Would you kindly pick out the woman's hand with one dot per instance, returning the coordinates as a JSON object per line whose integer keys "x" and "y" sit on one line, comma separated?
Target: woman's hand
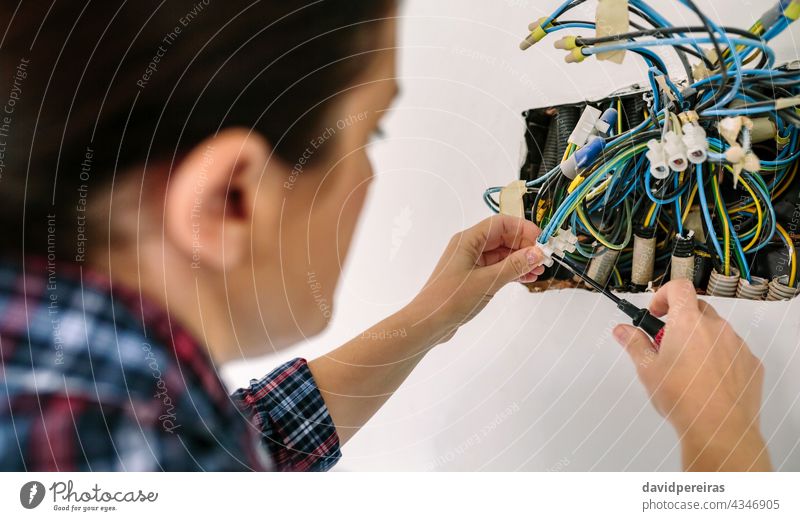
{"x": 704, "y": 380}
{"x": 356, "y": 379}
{"x": 477, "y": 263}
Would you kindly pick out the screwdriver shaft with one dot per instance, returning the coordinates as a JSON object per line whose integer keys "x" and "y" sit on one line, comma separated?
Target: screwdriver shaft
{"x": 590, "y": 281}
{"x": 641, "y": 317}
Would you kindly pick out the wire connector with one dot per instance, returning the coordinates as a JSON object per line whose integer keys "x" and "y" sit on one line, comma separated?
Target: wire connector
{"x": 584, "y": 157}
{"x": 792, "y": 12}
{"x": 695, "y": 140}
{"x": 658, "y": 159}
{"x": 586, "y": 127}
{"x": 575, "y": 56}
{"x": 537, "y": 34}
{"x": 566, "y": 43}
{"x": 675, "y": 151}
{"x": 607, "y": 121}
{"x": 560, "y": 244}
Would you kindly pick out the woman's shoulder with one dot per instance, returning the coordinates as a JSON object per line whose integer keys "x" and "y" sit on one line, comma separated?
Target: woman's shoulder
{"x": 63, "y": 331}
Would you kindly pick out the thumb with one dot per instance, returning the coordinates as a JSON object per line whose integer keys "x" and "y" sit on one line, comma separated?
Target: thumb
{"x": 636, "y": 343}
{"x": 516, "y": 265}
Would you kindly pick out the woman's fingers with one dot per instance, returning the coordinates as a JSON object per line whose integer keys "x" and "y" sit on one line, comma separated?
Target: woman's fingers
{"x": 674, "y": 297}
{"x": 532, "y": 276}
{"x": 636, "y": 343}
{"x": 493, "y": 257}
{"x": 504, "y": 231}
{"x": 707, "y": 309}
{"x": 512, "y": 268}
{"x": 506, "y": 250}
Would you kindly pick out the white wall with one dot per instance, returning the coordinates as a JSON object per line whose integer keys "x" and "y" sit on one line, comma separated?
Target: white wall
{"x": 535, "y": 382}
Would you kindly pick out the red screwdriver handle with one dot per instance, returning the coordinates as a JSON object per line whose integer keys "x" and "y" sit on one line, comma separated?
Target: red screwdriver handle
{"x": 651, "y": 325}
{"x": 658, "y": 338}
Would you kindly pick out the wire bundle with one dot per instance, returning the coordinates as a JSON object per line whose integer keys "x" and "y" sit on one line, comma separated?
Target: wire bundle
{"x": 728, "y": 192}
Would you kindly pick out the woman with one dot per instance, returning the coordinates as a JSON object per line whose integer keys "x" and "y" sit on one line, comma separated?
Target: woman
{"x": 181, "y": 182}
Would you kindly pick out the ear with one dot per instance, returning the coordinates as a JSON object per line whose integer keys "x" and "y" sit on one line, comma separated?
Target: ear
{"x": 208, "y": 212}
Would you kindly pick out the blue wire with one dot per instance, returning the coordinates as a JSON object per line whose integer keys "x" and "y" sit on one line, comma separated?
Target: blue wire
{"x": 671, "y": 85}
{"x": 623, "y": 173}
{"x": 561, "y": 213}
{"x": 735, "y": 55}
{"x": 652, "y": 59}
{"x": 547, "y": 21}
{"x": 739, "y": 111}
{"x": 652, "y": 13}
{"x": 649, "y": 191}
{"x": 776, "y": 29}
{"x": 656, "y": 95}
{"x": 560, "y": 27}
{"x": 545, "y": 177}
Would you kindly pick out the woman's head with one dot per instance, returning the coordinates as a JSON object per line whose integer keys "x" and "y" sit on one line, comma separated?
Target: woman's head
{"x": 211, "y": 152}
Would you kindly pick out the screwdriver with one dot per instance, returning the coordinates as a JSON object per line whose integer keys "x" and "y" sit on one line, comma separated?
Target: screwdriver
{"x": 641, "y": 318}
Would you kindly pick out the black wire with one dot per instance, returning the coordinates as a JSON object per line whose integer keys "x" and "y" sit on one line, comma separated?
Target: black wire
{"x": 787, "y": 114}
{"x": 717, "y": 48}
{"x": 679, "y": 49}
{"x": 660, "y": 32}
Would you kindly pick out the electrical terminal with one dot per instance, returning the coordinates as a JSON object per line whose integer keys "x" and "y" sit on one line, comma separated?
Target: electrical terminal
{"x": 566, "y": 43}
{"x": 792, "y": 12}
{"x": 658, "y": 159}
{"x": 569, "y": 43}
{"x": 537, "y": 34}
{"x": 584, "y": 157}
{"x": 695, "y": 140}
{"x": 575, "y": 56}
{"x": 741, "y": 160}
{"x": 560, "y": 244}
{"x": 675, "y": 151}
{"x": 592, "y": 123}
{"x": 607, "y": 121}
{"x": 586, "y": 126}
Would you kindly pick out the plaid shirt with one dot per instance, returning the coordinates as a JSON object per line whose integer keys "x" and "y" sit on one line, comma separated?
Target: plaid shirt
{"x": 92, "y": 381}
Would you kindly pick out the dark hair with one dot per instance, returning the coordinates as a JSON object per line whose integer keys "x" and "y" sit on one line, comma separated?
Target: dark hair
{"x": 92, "y": 88}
